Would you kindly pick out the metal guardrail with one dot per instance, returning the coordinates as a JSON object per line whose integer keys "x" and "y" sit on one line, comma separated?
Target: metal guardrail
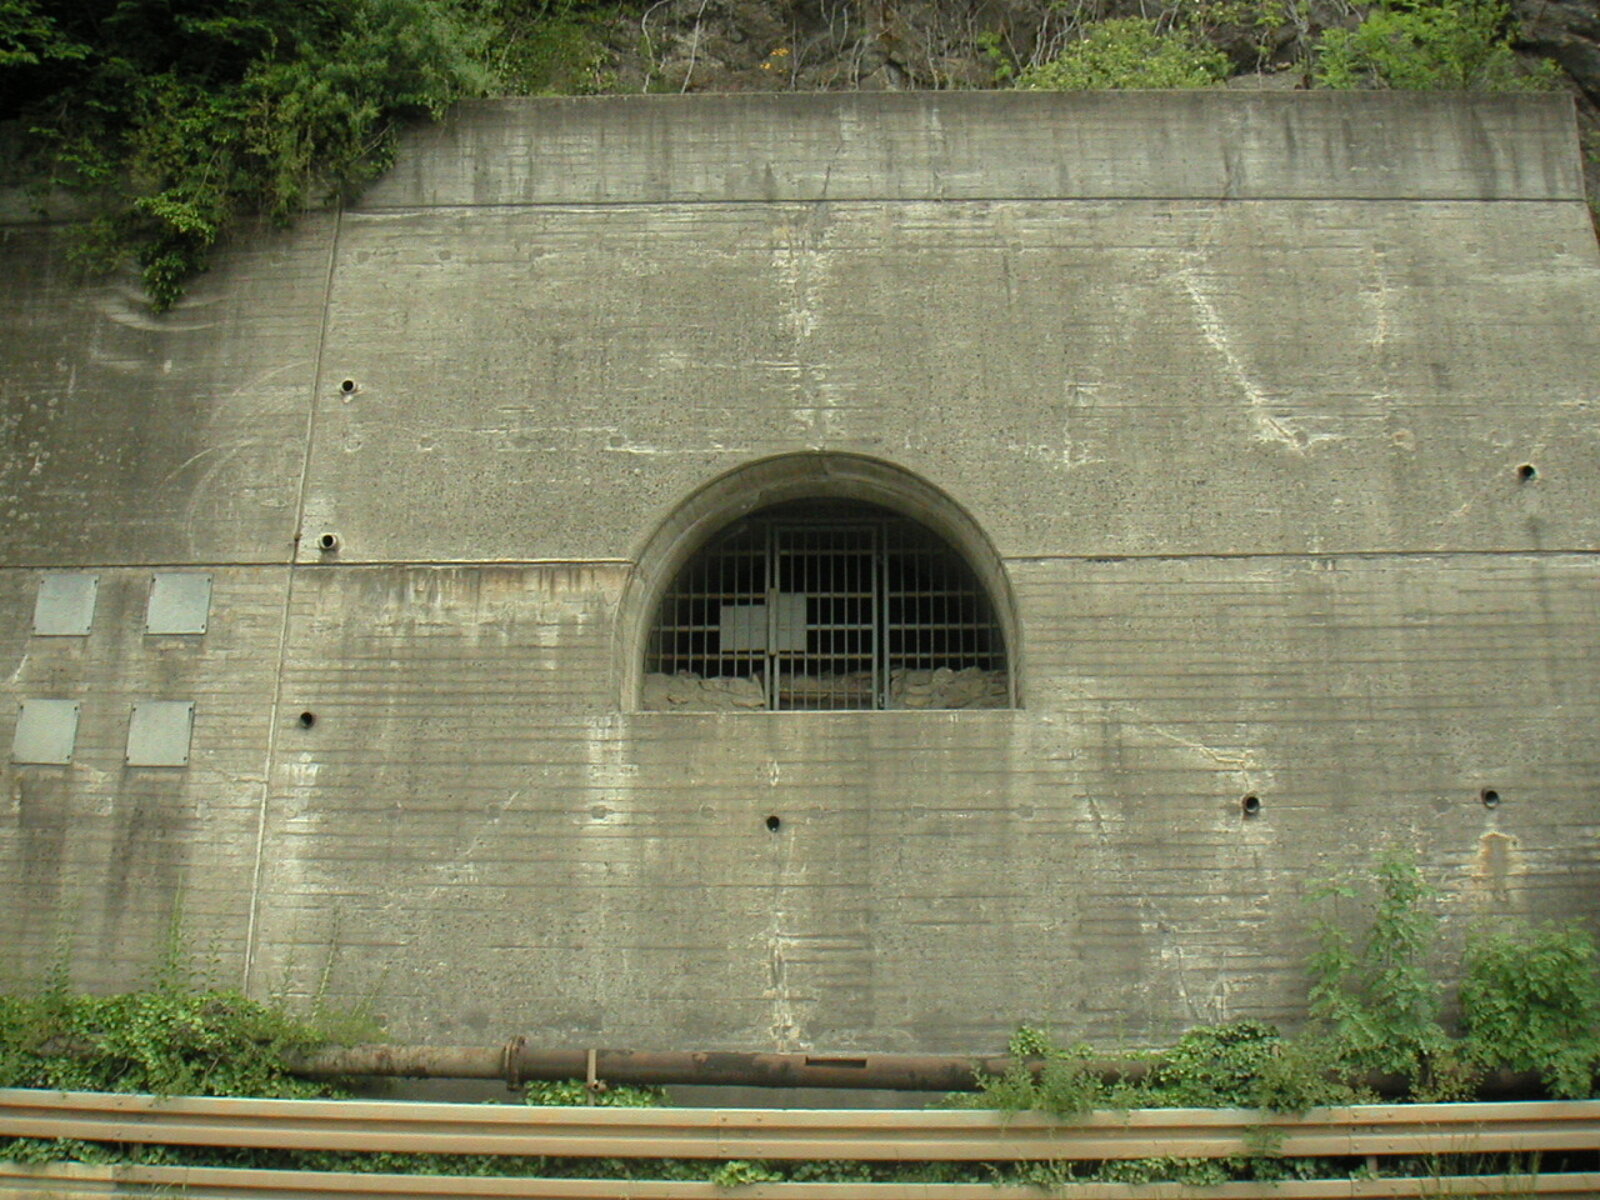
{"x": 1366, "y": 1131}
{"x": 78, "y": 1182}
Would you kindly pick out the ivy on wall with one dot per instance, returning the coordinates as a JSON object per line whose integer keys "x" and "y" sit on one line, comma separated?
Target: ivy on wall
{"x": 177, "y": 117}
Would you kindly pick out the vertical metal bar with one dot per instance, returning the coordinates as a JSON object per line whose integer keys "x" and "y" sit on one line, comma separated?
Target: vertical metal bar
{"x": 850, "y": 617}
{"x": 884, "y": 595}
{"x": 822, "y": 584}
{"x": 884, "y": 569}
{"x": 769, "y": 589}
{"x": 709, "y": 657}
{"x": 694, "y": 608}
{"x": 837, "y": 579}
{"x": 927, "y": 585}
{"x": 832, "y": 578}
{"x": 797, "y": 580}
{"x": 964, "y": 647}
{"x": 944, "y": 622}
{"x": 878, "y": 614}
{"x": 927, "y": 609}
{"x": 826, "y": 578}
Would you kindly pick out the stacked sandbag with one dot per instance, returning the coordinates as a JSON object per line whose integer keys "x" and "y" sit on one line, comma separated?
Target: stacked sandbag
{"x": 942, "y": 687}
{"x": 688, "y": 692}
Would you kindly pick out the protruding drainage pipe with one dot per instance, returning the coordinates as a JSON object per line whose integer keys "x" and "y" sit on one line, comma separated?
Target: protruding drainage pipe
{"x": 515, "y": 1063}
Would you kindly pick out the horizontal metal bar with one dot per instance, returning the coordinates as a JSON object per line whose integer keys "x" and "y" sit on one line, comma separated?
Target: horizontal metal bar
{"x": 73, "y": 1181}
{"x": 853, "y": 1134}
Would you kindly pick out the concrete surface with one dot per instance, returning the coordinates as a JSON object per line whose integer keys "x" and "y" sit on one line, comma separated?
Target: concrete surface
{"x": 1226, "y": 395}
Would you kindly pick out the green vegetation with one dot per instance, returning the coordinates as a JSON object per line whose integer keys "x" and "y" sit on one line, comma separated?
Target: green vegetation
{"x": 1373, "y": 996}
{"x": 1128, "y": 53}
{"x": 1529, "y": 1001}
{"x": 171, "y": 1038}
{"x": 550, "y": 47}
{"x": 1438, "y": 45}
{"x": 175, "y": 120}
{"x": 1433, "y": 45}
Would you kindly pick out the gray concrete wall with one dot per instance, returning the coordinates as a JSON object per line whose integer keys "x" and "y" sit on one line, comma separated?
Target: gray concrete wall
{"x": 1234, "y": 388}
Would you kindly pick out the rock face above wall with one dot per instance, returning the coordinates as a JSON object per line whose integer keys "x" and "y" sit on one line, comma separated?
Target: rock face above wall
{"x": 1567, "y": 31}
{"x": 1268, "y": 419}
{"x": 790, "y": 45}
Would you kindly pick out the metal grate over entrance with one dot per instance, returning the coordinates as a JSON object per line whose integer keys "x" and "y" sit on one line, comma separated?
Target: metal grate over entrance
{"x": 826, "y": 607}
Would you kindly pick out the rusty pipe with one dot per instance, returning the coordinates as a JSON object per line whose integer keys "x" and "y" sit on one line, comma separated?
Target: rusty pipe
{"x": 516, "y": 1063}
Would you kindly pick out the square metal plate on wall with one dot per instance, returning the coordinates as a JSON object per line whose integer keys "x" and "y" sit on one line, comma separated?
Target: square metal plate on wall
{"x": 47, "y": 732}
{"x": 158, "y": 733}
{"x": 180, "y": 602}
{"x": 65, "y": 605}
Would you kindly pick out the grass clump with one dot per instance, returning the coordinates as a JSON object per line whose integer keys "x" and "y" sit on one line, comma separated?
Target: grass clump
{"x": 1431, "y": 45}
{"x": 1129, "y": 52}
{"x": 163, "y": 1040}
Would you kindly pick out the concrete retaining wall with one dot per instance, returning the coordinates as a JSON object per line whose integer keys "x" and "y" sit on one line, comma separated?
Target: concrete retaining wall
{"x": 1235, "y": 390}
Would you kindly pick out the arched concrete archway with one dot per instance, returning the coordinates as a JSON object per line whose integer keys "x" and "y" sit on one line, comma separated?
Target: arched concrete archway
{"x": 797, "y": 477}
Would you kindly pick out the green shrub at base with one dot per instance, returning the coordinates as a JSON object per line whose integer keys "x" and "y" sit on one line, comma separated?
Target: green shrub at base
{"x": 1530, "y": 1001}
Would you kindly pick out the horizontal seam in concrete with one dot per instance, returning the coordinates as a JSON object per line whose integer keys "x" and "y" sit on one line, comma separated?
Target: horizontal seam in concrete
{"x": 470, "y": 562}
{"x": 1308, "y": 555}
{"x": 878, "y": 201}
{"x": 458, "y": 563}
{"x": 186, "y": 565}
{"x": 260, "y": 564}
{"x": 512, "y": 205}
{"x": 809, "y": 714}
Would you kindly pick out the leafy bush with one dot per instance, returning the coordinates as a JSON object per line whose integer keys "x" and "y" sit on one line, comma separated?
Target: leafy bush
{"x": 1430, "y": 45}
{"x": 550, "y": 47}
{"x": 178, "y": 118}
{"x": 1530, "y": 1001}
{"x": 163, "y": 1040}
{"x": 1062, "y": 1086}
{"x": 1128, "y": 53}
{"x": 1374, "y": 993}
{"x": 1214, "y": 1066}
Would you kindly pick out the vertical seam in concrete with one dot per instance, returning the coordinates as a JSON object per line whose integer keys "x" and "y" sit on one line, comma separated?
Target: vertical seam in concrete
{"x": 253, "y": 924}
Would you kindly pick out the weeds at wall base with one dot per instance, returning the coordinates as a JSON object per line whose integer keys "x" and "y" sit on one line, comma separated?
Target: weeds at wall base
{"x": 1530, "y": 1001}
